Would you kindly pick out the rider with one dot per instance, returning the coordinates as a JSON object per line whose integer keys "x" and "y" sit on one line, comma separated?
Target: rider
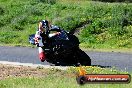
{"x": 42, "y": 33}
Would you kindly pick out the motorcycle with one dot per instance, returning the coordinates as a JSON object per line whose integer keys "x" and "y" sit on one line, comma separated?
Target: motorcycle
{"x": 63, "y": 49}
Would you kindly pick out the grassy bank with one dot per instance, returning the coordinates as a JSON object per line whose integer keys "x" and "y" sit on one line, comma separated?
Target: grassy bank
{"x": 52, "y": 82}
{"x": 103, "y": 25}
{"x": 27, "y": 77}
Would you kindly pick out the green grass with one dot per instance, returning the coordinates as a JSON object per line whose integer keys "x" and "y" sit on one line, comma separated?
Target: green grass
{"x": 54, "y": 82}
{"x": 61, "y": 79}
{"x": 110, "y": 23}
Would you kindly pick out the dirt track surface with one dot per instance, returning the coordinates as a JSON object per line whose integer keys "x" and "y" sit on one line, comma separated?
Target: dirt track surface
{"x": 7, "y": 71}
{"x": 121, "y": 61}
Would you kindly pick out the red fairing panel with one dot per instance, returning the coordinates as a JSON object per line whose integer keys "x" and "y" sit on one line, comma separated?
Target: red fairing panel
{"x": 41, "y": 54}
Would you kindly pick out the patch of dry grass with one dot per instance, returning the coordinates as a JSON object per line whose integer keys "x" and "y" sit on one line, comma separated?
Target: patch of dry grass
{"x": 7, "y": 71}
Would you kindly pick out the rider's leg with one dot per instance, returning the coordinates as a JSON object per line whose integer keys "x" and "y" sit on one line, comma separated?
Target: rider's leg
{"x": 41, "y": 54}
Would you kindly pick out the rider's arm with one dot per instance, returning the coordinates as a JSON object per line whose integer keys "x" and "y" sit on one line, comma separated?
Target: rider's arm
{"x": 54, "y": 34}
{"x": 54, "y": 28}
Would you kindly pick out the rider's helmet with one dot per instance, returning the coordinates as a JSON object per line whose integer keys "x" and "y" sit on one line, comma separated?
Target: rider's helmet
{"x": 44, "y": 26}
